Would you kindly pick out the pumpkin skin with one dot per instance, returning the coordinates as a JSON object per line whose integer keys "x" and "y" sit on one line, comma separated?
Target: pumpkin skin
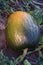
{"x": 22, "y": 31}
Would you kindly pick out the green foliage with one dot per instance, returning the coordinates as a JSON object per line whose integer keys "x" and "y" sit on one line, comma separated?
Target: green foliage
{"x": 40, "y": 54}
{"x": 10, "y": 9}
{"x": 37, "y": 15}
{"x": 41, "y": 40}
{"x": 26, "y": 62}
{"x": 40, "y": 62}
{"x": 24, "y": 6}
{"x": 5, "y": 61}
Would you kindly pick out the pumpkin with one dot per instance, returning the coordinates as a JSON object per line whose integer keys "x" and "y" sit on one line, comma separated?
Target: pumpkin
{"x": 22, "y": 31}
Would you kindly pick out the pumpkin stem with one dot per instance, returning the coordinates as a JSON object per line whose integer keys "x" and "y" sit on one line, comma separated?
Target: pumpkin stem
{"x": 25, "y": 52}
{"x": 21, "y": 57}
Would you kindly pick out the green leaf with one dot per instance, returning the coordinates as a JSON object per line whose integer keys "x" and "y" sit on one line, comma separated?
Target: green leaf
{"x": 31, "y": 12}
{"x": 39, "y": 20}
{"x": 40, "y": 54}
{"x": 41, "y": 41}
{"x": 40, "y": 62}
{"x": 12, "y": 0}
{"x": 19, "y": 59}
{"x": 26, "y": 62}
{"x": 11, "y": 62}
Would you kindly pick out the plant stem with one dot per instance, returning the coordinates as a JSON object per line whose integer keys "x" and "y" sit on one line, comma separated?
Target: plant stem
{"x": 37, "y": 49}
{"x": 21, "y": 57}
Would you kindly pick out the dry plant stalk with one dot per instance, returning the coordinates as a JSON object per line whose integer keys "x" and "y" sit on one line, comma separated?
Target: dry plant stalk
{"x": 37, "y": 49}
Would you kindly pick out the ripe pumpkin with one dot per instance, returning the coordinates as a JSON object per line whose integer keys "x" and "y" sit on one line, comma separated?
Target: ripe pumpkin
{"x": 22, "y": 31}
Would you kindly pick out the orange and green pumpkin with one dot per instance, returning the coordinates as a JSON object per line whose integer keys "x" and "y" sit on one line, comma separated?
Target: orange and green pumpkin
{"x": 22, "y": 31}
